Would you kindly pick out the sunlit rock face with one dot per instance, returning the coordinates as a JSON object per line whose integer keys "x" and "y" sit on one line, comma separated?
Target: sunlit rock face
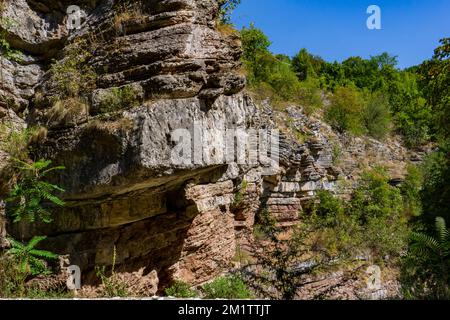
{"x": 125, "y": 188}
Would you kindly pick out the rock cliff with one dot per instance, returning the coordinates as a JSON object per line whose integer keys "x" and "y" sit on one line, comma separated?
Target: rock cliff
{"x": 139, "y": 72}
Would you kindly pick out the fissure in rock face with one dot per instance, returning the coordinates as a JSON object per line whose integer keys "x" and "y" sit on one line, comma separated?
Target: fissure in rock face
{"x": 156, "y": 68}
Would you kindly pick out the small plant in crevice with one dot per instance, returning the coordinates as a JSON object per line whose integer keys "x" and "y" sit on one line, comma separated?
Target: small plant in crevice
{"x": 72, "y": 76}
{"x": 31, "y": 260}
{"x": 117, "y": 99}
{"x": 239, "y": 195}
{"x": 181, "y": 289}
{"x": 16, "y": 142}
{"x": 29, "y": 194}
{"x": 125, "y": 11}
{"x": 6, "y": 51}
{"x": 112, "y": 285}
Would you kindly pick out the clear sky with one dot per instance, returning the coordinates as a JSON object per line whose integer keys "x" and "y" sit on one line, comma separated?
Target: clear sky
{"x": 336, "y": 29}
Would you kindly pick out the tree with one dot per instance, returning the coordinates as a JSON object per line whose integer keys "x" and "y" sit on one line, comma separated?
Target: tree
{"x": 306, "y": 65}
{"x": 385, "y": 60}
{"x": 345, "y": 111}
{"x": 435, "y": 83}
{"x": 376, "y": 115}
{"x": 254, "y": 43}
{"x": 226, "y": 8}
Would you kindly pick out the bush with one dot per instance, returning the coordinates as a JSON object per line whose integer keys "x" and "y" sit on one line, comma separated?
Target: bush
{"x": 72, "y": 76}
{"x": 436, "y": 189}
{"x": 12, "y": 281}
{"x": 15, "y": 142}
{"x": 376, "y": 116}
{"x": 411, "y": 191}
{"x": 117, "y": 99}
{"x": 181, "y": 289}
{"x": 344, "y": 113}
{"x": 372, "y": 220}
{"x": 379, "y": 208}
{"x": 229, "y": 287}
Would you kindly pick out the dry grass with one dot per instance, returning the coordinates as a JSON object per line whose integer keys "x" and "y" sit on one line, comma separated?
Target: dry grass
{"x": 125, "y": 12}
{"x": 227, "y": 29}
{"x": 122, "y": 124}
{"x": 68, "y": 111}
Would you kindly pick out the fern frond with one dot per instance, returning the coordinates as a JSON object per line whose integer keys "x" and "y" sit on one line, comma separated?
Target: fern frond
{"x": 33, "y": 242}
{"x": 16, "y": 244}
{"x": 53, "y": 169}
{"x": 441, "y": 229}
{"x": 44, "y": 254}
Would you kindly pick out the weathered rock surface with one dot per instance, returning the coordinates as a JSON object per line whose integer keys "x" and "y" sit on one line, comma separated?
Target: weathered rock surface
{"x": 126, "y": 184}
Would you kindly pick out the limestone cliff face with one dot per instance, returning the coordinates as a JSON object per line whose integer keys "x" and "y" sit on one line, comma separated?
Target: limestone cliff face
{"x": 123, "y": 188}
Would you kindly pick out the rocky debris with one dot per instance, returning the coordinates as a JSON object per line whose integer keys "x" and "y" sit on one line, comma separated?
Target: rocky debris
{"x": 135, "y": 284}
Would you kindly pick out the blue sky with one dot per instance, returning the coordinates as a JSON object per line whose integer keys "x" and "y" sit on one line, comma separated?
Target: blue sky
{"x": 336, "y": 29}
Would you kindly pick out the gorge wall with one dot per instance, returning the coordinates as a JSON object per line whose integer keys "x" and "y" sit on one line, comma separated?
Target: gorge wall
{"x": 123, "y": 190}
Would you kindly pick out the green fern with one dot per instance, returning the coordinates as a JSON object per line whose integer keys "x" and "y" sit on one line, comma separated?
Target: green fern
{"x": 31, "y": 260}
{"x": 32, "y": 191}
{"x": 425, "y": 246}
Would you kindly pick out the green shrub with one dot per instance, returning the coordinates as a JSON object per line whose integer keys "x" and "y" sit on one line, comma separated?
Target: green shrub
{"x": 180, "y": 289}
{"x": 373, "y": 219}
{"x": 376, "y": 115}
{"x": 379, "y": 209}
{"x": 436, "y": 188}
{"x": 12, "y": 281}
{"x": 15, "y": 142}
{"x": 411, "y": 191}
{"x": 119, "y": 98}
{"x": 72, "y": 75}
{"x": 344, "y": 113}
{"x": 228, "y": 287}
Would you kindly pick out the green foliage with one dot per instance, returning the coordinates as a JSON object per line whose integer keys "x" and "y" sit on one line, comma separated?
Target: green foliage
{"x": 426, "y": 267}
{"x": 378, "y": 207}
{"x": 31, "y": 260}
{"x": 5, "y": 48}
{"x": 72, "y": 75}
{"x": 345, "y": 110}
{"x": 372, "y": 220}
{"x": 228, "y": 287}
{"x": 435, "y": 84}
{"x": 119, "y": 98}
{"x": 376, "y": 115}
{"x": 436, "y": 187}
{"x": 12, "y": 281}
{"x": 180, "y": 289}
{"x": 28, "y": 195}
{"x": 411, "y": 191}
{"x": 16, "y": 142}
{"x": 412, "y": 115}
{"x": 239, "y": 194}
{"x": 226, "y": 8}
{"x": 272, "y": 76}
